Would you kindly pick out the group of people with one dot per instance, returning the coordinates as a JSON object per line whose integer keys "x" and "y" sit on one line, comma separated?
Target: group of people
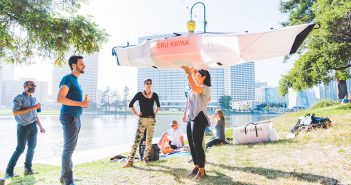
{"x": 195, "y": 115}
{"x": 70, "y": 95}
{"x": 25, "y": 108}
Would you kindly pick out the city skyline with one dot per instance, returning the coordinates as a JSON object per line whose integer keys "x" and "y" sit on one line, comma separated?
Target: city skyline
{"x": 237, "y": 16}
{"x": 125, "y": 26}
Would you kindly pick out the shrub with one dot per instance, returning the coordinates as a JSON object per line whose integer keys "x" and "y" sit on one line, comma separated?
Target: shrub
{"x": 325, "y": 103}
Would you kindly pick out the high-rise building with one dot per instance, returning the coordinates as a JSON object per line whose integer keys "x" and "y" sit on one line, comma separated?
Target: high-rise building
{"x": 269, "y": 95}
{"x": 259, "y": 84}
{"x": 170, "y": 85}
{"x": 217, "y": 87}
{"x": 6, "y": 73}
{"x": 10, "y": 89}
{"x": 328, "y": 91}
{"x": 240, "y": 82}
{"x": 88, "y": 80}
{"x": 302, "y": 99}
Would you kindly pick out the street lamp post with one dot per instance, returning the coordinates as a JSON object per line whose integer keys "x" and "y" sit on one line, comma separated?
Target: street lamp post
{"x": 191, "y": 24}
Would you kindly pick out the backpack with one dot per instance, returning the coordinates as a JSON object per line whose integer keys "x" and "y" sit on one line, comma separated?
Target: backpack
{"x": 309, "y": 122}
{"x": 154, "y": 154}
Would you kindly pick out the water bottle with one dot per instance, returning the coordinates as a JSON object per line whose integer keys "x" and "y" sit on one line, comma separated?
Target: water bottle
{"x": 39, "y": 110}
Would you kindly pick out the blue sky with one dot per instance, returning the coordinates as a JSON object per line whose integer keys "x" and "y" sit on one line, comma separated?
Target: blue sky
{"x": 125, "y": 21}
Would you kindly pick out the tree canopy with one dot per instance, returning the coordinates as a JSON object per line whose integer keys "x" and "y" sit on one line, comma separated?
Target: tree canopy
{"x": 327, "y": 54}
{"x": 47, "y": 28}
{"x": 225, "y": 101}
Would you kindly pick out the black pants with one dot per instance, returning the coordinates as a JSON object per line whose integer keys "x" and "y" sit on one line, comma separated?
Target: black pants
{"x": 195, "y": 133}
{"x": 214, "y": 142}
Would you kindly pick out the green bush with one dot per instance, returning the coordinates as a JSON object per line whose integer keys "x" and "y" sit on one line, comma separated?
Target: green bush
{"x": 325, "y": 103}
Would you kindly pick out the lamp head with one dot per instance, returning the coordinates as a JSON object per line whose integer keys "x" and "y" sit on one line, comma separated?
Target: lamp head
{"x": 191, "y": 26}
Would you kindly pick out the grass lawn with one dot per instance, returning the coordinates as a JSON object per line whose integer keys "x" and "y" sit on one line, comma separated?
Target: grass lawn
{"x": 316, "y": 157}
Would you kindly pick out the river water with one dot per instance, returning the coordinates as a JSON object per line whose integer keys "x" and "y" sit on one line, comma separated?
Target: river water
{"x": 97, "y": 131}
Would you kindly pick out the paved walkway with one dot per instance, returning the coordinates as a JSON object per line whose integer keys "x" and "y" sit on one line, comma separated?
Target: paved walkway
{"x": 89, "y": 155}
{"x": 80, "y": 157}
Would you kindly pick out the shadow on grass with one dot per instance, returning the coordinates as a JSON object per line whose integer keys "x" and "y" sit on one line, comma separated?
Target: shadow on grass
{"x": 279, "y": 142}
{"x": 221, "y": 178}
{"x": 274, "y": 174}
{"x": 180, "y": 173}
{"x": 175, "y": 172}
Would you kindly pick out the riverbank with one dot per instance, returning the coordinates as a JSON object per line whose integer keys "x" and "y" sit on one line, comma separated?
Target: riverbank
{"x": 8, "y": 112}
{"x": 317, "y": 157}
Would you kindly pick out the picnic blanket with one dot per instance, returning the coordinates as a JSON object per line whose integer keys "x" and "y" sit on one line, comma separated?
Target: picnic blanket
{"x": 175, "y": 154}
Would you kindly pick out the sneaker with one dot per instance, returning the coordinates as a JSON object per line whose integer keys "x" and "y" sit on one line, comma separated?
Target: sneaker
{"x": 72, "y": 183}
{"x": 29, "y": 172}
{"x": 68, "y": 182}
{"x": 9, "y": 176}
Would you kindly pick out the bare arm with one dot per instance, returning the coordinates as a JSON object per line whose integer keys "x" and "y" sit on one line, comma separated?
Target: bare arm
{"x": 157, "y": 109}
{"x": 164, "y": 134}
{"x": 134, "y": 111}
{"x": 26, "y": 110}
{"x": 184, "y": 114}
{"x": 182, "y": 140}
{"x": 190, "y": 73}
{"x": 42, "y": 130}
{"x": 61, "y": 98}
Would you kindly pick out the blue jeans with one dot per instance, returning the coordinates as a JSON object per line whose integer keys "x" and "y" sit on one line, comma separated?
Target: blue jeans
{"x": 71, "y": 128}
{"x": 25, "y": 134}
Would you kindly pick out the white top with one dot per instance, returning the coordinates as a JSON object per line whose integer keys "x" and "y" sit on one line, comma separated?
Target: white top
{"x": 174, "y": 136}
{"x": 197, "y": 103}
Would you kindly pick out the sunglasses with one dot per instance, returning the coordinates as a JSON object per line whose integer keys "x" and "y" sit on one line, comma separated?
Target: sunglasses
{"x": 148, "y": 83}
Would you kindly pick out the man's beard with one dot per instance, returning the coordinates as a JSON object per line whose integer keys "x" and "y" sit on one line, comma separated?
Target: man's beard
{"x": 81, "y": 71}
{"x": 31, "y": 90}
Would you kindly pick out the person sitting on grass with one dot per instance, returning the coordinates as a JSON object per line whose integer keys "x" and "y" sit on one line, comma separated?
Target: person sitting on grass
{"x": 172, "y": 139}
{"x": 345, "y": 100}
{"x": 220, "y": 125}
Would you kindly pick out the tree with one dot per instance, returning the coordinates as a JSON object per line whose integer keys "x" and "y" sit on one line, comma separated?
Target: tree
{"x": 116, "y": 100}
{"x": 327, "y": 56}
{"x": 299, "y": 11}
{"x": 224, "y": 102}
{"x": 125, "y": 98}
{"x": 92, "y": 106}
{"x": 47, "y": 28}
{"x": 106, "y": 99}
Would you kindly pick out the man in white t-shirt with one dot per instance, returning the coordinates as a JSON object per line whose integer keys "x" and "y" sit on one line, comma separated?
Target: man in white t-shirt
{"x": 172, "y": 139}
